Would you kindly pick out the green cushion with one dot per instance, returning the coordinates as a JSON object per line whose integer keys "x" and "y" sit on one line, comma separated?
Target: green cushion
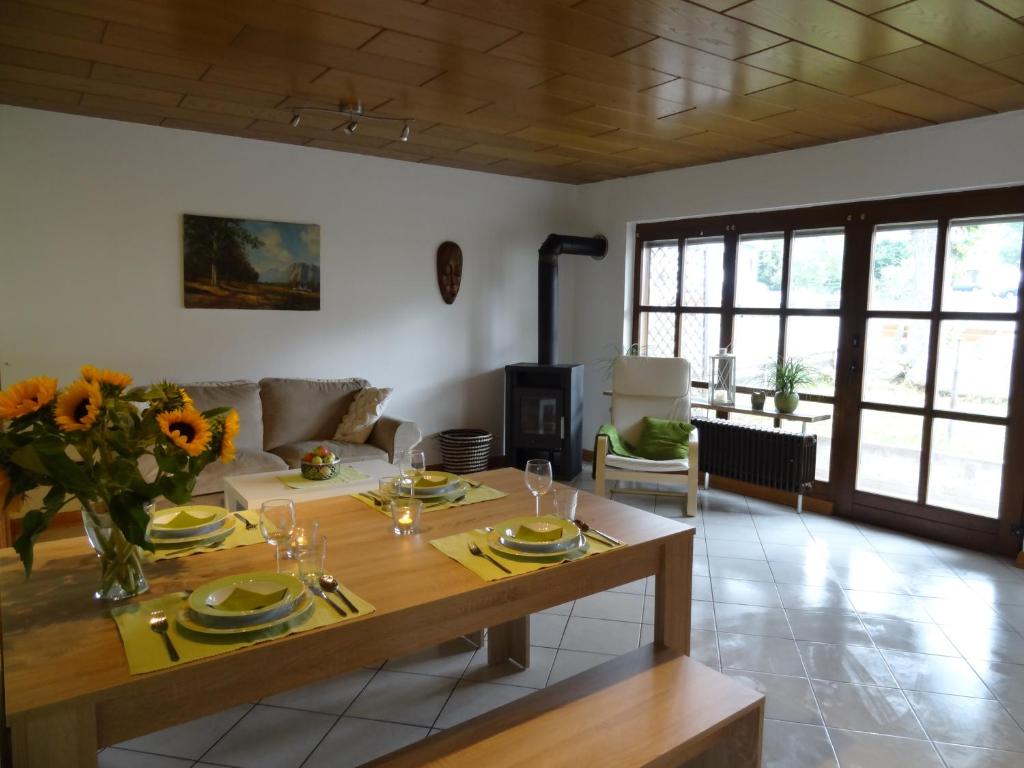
{"x": 662, "y": 440}
{"x": 616, "y": 445}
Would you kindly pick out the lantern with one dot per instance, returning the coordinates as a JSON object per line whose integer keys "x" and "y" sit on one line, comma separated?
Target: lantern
{"x": 722, "y": 372}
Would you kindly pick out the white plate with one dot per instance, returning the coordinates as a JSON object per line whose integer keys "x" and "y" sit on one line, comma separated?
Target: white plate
{"x": 206, "y": 602}
{"x": 211, "y": 517}
{"x": 579, "y": 546}
{"x": 227, "y": 525}
{"x": 300, "y": 609}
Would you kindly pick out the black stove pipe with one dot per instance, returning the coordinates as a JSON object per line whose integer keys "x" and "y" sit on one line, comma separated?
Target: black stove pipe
{"x": 547, "y": 286}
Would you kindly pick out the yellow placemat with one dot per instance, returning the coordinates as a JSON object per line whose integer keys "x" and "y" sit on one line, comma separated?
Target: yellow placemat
{"x": 146, "y": 651}
{"x": 457, "y": 548}
{"x": 346, "y": 474}
{"x": 240, "y": 536}
{"x": 473, "y": 496}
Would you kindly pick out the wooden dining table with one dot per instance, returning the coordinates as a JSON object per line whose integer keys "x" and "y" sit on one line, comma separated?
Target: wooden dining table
{"x": 66, "y": 684}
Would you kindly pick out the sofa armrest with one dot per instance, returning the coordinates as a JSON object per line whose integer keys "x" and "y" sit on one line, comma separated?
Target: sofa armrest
{"x": 394, "y": 435}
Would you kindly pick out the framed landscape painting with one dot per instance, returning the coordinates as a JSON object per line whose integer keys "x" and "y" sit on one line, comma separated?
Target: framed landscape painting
{"x": 251, "y": 264}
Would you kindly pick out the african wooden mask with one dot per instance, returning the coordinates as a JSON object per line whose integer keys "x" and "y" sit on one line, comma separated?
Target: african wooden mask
{"x": 449, "y": 270}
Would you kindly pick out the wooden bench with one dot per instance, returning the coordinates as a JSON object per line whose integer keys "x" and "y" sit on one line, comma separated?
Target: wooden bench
{"x": 650, "y": 707}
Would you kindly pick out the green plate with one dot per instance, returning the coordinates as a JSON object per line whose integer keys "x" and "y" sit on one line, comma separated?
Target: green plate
{"x": 302, "y": 607}
{"x": 433, "y": 484}
{"x": 226, "y": 526}
{"x": 183, "y": 522}
{"x": 575, "y": 548}
{"x": 245, "y": 599}
{"x": 537, "y": 535}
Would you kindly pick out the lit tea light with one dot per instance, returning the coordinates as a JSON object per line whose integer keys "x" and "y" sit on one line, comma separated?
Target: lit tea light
{"x": 405, "y": 515}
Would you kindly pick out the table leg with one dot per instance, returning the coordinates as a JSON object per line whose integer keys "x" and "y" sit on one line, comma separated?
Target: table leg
{"x": 476, "y": 638}
{"x": 231, "y": 500}
{"x": 60, "y": 736}
{"x": 510, "y": 640}
{"x": 672, "y": 591}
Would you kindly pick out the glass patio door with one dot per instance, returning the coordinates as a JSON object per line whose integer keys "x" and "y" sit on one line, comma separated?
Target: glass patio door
{"x": 935, "y": 375}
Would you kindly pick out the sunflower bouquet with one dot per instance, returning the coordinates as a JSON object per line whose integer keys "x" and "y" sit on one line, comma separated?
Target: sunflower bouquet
{"x": 113, "y": 449}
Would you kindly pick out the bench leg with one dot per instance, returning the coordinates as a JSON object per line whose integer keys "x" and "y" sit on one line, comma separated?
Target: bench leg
{"x": 61, "y": 736}
{"x": 738, "y": 746}
{"x": 672, "y": 591}
{"x": 510, "y": 640}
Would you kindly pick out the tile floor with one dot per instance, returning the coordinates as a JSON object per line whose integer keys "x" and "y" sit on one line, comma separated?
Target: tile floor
{"x": 874, "y": 649}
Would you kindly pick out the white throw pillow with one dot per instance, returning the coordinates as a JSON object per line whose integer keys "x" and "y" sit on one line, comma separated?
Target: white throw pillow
{"x": 364, "y": 412}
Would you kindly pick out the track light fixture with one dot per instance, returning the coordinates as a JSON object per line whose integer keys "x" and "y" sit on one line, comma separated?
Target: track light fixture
{"x": 355, "y": 115}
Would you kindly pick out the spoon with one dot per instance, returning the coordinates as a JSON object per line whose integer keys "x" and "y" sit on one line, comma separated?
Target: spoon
{"x": 330, "y": 583}
{"x": 594, "y": 532}
{"x": 475, "y": 550}
{"x": 158, "y": 623}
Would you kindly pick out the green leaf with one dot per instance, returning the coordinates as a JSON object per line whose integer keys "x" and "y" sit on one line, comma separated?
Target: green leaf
{"x": 128, "y": 514}
{"x": 177, "y": 487}
{"x": 28, "y": 458}
{"x": 34, "y": 523}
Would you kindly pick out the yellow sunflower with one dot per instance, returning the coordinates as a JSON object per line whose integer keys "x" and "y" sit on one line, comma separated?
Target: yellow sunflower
{"x": 78, "y": 406}
{"x": 187, "y": 429}
{"x": 103, "y": 376}
{"x": 227, "y": 445}
{"x": 5, "y": 488}
{"x": 185, "y": 397}
{"x": 27, "y": 397}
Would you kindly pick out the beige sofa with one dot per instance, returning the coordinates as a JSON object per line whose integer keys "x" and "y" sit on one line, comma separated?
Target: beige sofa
{"x": 281, "y": 419}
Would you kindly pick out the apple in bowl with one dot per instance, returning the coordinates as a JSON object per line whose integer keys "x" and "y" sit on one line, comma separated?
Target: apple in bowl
{"x": 320, "y": 464}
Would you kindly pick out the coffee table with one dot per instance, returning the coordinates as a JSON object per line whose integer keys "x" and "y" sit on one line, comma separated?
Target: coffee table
{"x": 249, "y": 491}
{"x": 66, "y": 681}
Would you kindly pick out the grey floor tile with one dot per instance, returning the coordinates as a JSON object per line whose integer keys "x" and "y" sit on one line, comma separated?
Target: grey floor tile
{"x": 354, "y": 741}
{"x": 872, "y": 750}
{"x": 774, "y": 655}
{"x": 600, "y": 636}
{"x": 471, "y": 698}
{"x": 935, "y": 674}
{"x": 786, "y": 698}
{"x": 845, "y": 664}
{"x": 510, "y": 673}
{"x": 632, "y": 588}
{"x": 271, "y": 737}
{"x": 700, "y": 565}
{"x": 962, "y": 720}
{"x": 986, "y": 643}
{"x": 958, "y": 756}
{"x": 1016, "y": 710}
{"x": 809, "y": 597}
{"x": 815, "y": 575}
{"x": 828, "y": 627}
{"x": 741, "y": 550}
{"x": 913, "y": 636}
{"x": 449, "y": 659}
{"x": 617, "y": 606}
{"x": 730, "y": 532}
{"x": 997, "y": 592}
{"x": 887, "y": 606}
{"x": 403, "y": 697}
{"x": 191, "y": 739}
{"x": 113, "y": 757}
{"x": 563, "y": 609}
{"x": 745, "y": 592}
{"x": 702, "y": 615}
{"x": 704, "y": 647}
{"x": 569, "y": 663}
{"x": 964, "y": 610}
{"x": 866, "y": 708}
{"x": 547, "y": 629}
{"x": 752, "y": 620}
{"x": 738, "y": 568}
{"x": 1006, "y": 681}
{"x": 701, "y": 588}
{"x": 795, "y": 745}
{"x": 947, "y": 587}
{"x": 331, "y": 696}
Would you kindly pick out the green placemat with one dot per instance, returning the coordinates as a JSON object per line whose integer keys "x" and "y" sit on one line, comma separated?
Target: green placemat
{"x": 240, "y": 536}
{"x": 146, "y": 652}
{"x": 346, "y": 474}
{"x": 457, "y": 548}
{"x": 473, "y": 496}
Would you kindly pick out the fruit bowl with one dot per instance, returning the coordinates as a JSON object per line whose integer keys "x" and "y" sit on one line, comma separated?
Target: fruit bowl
{"x": 320, "y": 464}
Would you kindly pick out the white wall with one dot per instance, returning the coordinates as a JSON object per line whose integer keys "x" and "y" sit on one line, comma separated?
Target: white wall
{"x": 91, "y": 266}
{"x": 970, "y": 154}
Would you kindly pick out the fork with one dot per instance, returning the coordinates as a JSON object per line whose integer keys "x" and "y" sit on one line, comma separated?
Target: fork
{"x": 158, "y": 623}
{"x": 248, "y": 524}
{"x": 475, "y": 550}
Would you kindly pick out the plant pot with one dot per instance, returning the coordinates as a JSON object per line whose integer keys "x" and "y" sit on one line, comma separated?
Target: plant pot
{"x": 757, "y": 400}
{"x": 121, "y": 574}
{"x": 786, "y": 402}
{"x": 465, "y": 450}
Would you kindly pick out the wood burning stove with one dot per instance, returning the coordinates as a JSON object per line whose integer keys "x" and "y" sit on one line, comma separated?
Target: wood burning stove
{"x": 544, "y": 401}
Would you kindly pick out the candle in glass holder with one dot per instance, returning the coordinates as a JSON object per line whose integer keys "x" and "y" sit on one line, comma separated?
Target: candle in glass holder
{"x": 405, "y": 515}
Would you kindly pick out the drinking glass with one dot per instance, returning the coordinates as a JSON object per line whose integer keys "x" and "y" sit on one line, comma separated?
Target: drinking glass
{"x": 312, "y": 557}
{"x": 277, "y": 524}
{"x": 538, "y": 479}
{"x": 389, "y": 487}
{"x": 565, "y": 502}
{"x": 411, "y": 464}
{"x": 405, "y": 515}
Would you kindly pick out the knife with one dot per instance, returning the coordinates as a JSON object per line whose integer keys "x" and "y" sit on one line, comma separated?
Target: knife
{"x": 323, "y": 596}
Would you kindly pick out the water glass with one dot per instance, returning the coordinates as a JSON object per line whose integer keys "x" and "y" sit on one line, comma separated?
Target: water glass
{"x": 565, "y": 502}
{"x": 312, "y": 558}
{"x": 412, "y": 463}
{"x": 277, "y": 524}
{"x": 538, "y": 479}
{"x": 405, "y": 515}
{"x": 389, "y": 487}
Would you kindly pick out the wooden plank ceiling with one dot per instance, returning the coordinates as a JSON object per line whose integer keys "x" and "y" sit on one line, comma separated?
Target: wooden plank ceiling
{"x": 566, "y": 90}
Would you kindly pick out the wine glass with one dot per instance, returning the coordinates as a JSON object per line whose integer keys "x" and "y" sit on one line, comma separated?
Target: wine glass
{"x": 277, "y": 524}
{"x": 411, "y": 465}
{"x": 538, "y": 479}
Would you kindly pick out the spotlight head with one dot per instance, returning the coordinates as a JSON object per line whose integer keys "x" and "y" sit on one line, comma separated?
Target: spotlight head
{"x": 296, "y": 119}
{"x": 351, "y": 127}
{"x": 405, "y": 133}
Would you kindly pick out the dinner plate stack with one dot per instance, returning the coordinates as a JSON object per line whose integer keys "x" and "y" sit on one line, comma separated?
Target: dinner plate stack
{"x": 190, "y": 525}
{"x": 537, "y": 537}
{"x": 249, "y": 602}
{"x": 434, "y": 486}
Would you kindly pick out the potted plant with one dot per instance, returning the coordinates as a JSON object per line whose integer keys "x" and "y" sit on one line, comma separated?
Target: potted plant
{"x": 785, "y": 377}
{"x": 85, "y": 442}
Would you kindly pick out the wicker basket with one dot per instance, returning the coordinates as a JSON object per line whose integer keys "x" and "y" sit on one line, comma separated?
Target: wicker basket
{"x": 465, "y": 450}
{"x": 320, "y": 471}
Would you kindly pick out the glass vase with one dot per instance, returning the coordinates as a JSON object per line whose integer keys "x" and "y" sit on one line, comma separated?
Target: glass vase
{"x": 120, "y": 560}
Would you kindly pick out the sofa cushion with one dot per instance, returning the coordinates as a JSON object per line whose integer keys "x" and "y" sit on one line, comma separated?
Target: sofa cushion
{"x": 297, "y": 410}
{"x": 364, "y": 412}
{"x": 293, "y": 452}
{"x": 211, "y": 479}
{"x": 244, "y": 397}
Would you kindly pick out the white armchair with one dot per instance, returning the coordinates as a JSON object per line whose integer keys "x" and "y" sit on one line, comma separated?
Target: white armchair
{"x": 658, "y": 387}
